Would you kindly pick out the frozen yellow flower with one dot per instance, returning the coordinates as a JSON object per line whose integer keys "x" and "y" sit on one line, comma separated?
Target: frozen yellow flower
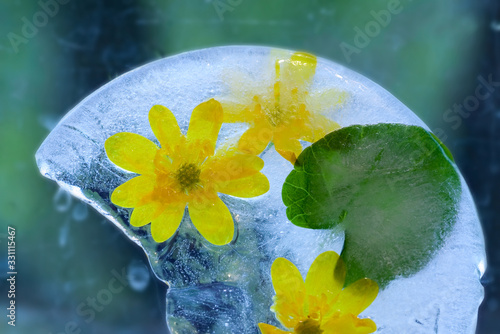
{"x": 186, "y": 170}
{"x": 283, "y": 112}
{"x": 319, "y": 305}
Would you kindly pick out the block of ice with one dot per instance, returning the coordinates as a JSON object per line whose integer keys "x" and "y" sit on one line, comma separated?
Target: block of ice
{"x": 226, "y": 286}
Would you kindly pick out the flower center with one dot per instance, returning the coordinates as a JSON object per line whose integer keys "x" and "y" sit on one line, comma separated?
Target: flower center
{"x": 274, "y": 116}
{"x": 309, "y": 326}
{"x": 188, "y": 176}
{"x": 277, "y": 110}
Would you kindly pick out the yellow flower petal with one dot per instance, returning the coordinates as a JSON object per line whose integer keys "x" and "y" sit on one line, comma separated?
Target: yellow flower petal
{"x": 299, "y": 70}
{"x": 132, "y": 152}
{"x": 247, "y": 187}
{"x": 255, "y": 139}
{"x": 144, "y": 214}
{"x": 320, "y": 126}
{"x": 268, "y": 329}
{"x": 236, "y": 112}
{"x": 322, "y": 277}
{"x": 321, "y": 101}
{"x": 130, "y": 194}
{"x": 165, "y": 127}
{"x": 204, "y": 126}
{"x": 290, "y": 292}
{"x": 212, "y": 219}
{"x": 288, "y": 148}
{"x": 165, "y": 225}
{"x": 230, "y": 165}
{"x": 357, "y": 297}
{"x": 350, "y": 324}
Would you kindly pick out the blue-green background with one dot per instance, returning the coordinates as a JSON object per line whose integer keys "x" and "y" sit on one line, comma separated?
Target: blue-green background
{"x": 429, "y": 56}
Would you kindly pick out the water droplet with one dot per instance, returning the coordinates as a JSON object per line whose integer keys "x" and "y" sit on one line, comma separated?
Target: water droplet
{"x": 63, "y": 234}
{"x": 80, "y": 212}
{"x": 62, "y": 200}
{"x": 138, "y": 276}
{"x": 495, "y": 25}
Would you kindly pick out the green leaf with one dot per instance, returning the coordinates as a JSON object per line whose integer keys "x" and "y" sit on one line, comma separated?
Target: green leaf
{"x": 393, "y": 188}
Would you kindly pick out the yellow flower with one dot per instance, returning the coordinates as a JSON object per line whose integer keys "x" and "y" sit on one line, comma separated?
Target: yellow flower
{"x": 320, "y": 305}
{"x": 186, "y": 170}
{"x": 284, "y": 112}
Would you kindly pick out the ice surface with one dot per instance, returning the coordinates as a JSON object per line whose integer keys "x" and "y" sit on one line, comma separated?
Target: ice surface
{"x": 228, "y": 289}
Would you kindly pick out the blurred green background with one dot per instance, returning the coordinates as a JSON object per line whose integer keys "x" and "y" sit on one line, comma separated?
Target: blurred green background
{"x": 429, "y": 56}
